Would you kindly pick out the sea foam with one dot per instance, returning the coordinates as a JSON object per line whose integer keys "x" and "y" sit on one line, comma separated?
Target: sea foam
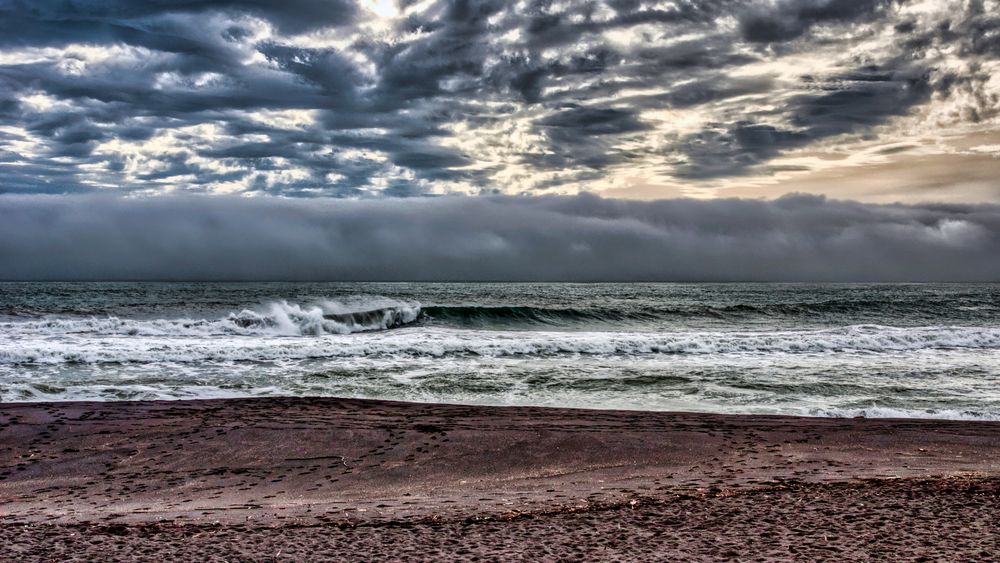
{"x": 296, "y": 333}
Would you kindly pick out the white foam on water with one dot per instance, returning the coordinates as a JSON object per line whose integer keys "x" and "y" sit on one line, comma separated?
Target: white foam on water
{"x": 890, "y": 412}
{"x": 158, "y": 341}
{"x": 382, "y": 348}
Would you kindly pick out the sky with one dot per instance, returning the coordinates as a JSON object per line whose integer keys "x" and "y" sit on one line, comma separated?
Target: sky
{"x": 869, "y": 100}
{"x": 695, "y": 140}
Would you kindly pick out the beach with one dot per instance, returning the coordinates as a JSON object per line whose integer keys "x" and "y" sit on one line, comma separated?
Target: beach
{"x": 353, "y": 479}
{"x": 473, "y": 280}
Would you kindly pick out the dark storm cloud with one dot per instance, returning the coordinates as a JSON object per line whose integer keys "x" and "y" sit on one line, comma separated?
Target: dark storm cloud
{"x": 578, "y": 122}
{"x": 733, "y": 148}
{"x": 386, "y": 105}
{"x": 862, "y": 99}
{"x": 849, "y": 103}
{"x": 545, "y": 29}
{"x": 27, "y": 176}
{"x": 788, "y": 19}
{"x": 493, "y": 238}
{"x": 293, "y": 16}
{"x": 579, "y": 136}
{"x": 325, "y": 68}
{"x": 457, "y": 48}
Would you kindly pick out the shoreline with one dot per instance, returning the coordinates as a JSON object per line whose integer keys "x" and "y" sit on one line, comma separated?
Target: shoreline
{"x": 895, "y": 414}
{"x": 247, "y": 467}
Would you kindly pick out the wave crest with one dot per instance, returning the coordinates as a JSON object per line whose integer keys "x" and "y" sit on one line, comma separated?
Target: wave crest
{"x": 486, "y": 316}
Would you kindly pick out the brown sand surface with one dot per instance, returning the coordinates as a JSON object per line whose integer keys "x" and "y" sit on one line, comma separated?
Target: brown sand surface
{"x": 300, "y": 479}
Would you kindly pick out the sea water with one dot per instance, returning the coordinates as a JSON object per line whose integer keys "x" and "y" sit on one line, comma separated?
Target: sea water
{"x": 917, "y": 350}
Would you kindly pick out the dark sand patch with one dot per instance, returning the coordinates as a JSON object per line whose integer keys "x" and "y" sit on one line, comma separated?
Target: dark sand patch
{"x": 906, "y": 519}
{"x": 245, "y": 479}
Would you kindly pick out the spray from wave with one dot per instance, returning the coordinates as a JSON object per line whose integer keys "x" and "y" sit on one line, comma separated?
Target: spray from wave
{"x": 327, "y": 317}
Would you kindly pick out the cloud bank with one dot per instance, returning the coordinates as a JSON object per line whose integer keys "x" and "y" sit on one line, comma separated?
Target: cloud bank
{"x": 573, "y": 238}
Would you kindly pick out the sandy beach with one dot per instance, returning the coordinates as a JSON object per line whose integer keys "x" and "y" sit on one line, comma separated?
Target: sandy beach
{"x": 314, "y": 479}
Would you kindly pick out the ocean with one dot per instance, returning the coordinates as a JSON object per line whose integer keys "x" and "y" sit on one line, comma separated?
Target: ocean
{"x": 889, "y": 350}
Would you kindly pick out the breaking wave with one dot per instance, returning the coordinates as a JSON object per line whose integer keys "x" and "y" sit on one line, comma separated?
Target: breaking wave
{"x": 372, "y": 313}
{"x": 327, "y": 317}
{"x": 279, "y": 318}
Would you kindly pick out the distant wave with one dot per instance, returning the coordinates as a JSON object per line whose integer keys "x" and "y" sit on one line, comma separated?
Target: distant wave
{"x": 480, "y": 315}
{"x": 373, "y": 313}
{"x": 510, "y": 316}
{"x": 154, "y": 342}
{"x": 485, "y": 316}
{"x": 12, "y": 311}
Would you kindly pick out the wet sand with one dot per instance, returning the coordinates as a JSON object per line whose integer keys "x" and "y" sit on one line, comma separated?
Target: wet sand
{"x": 300, "y": 479}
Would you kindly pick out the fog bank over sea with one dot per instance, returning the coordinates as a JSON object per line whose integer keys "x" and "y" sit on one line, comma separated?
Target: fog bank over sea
{"x": 578, "y": 238}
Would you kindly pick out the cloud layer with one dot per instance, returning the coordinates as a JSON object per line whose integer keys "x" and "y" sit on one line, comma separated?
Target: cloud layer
{"x": 580, "y": 238}
{"x": 409, "y": 97}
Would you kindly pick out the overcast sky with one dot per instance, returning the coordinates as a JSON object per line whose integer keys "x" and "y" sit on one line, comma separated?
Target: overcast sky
{"x": 870, "y": 100}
